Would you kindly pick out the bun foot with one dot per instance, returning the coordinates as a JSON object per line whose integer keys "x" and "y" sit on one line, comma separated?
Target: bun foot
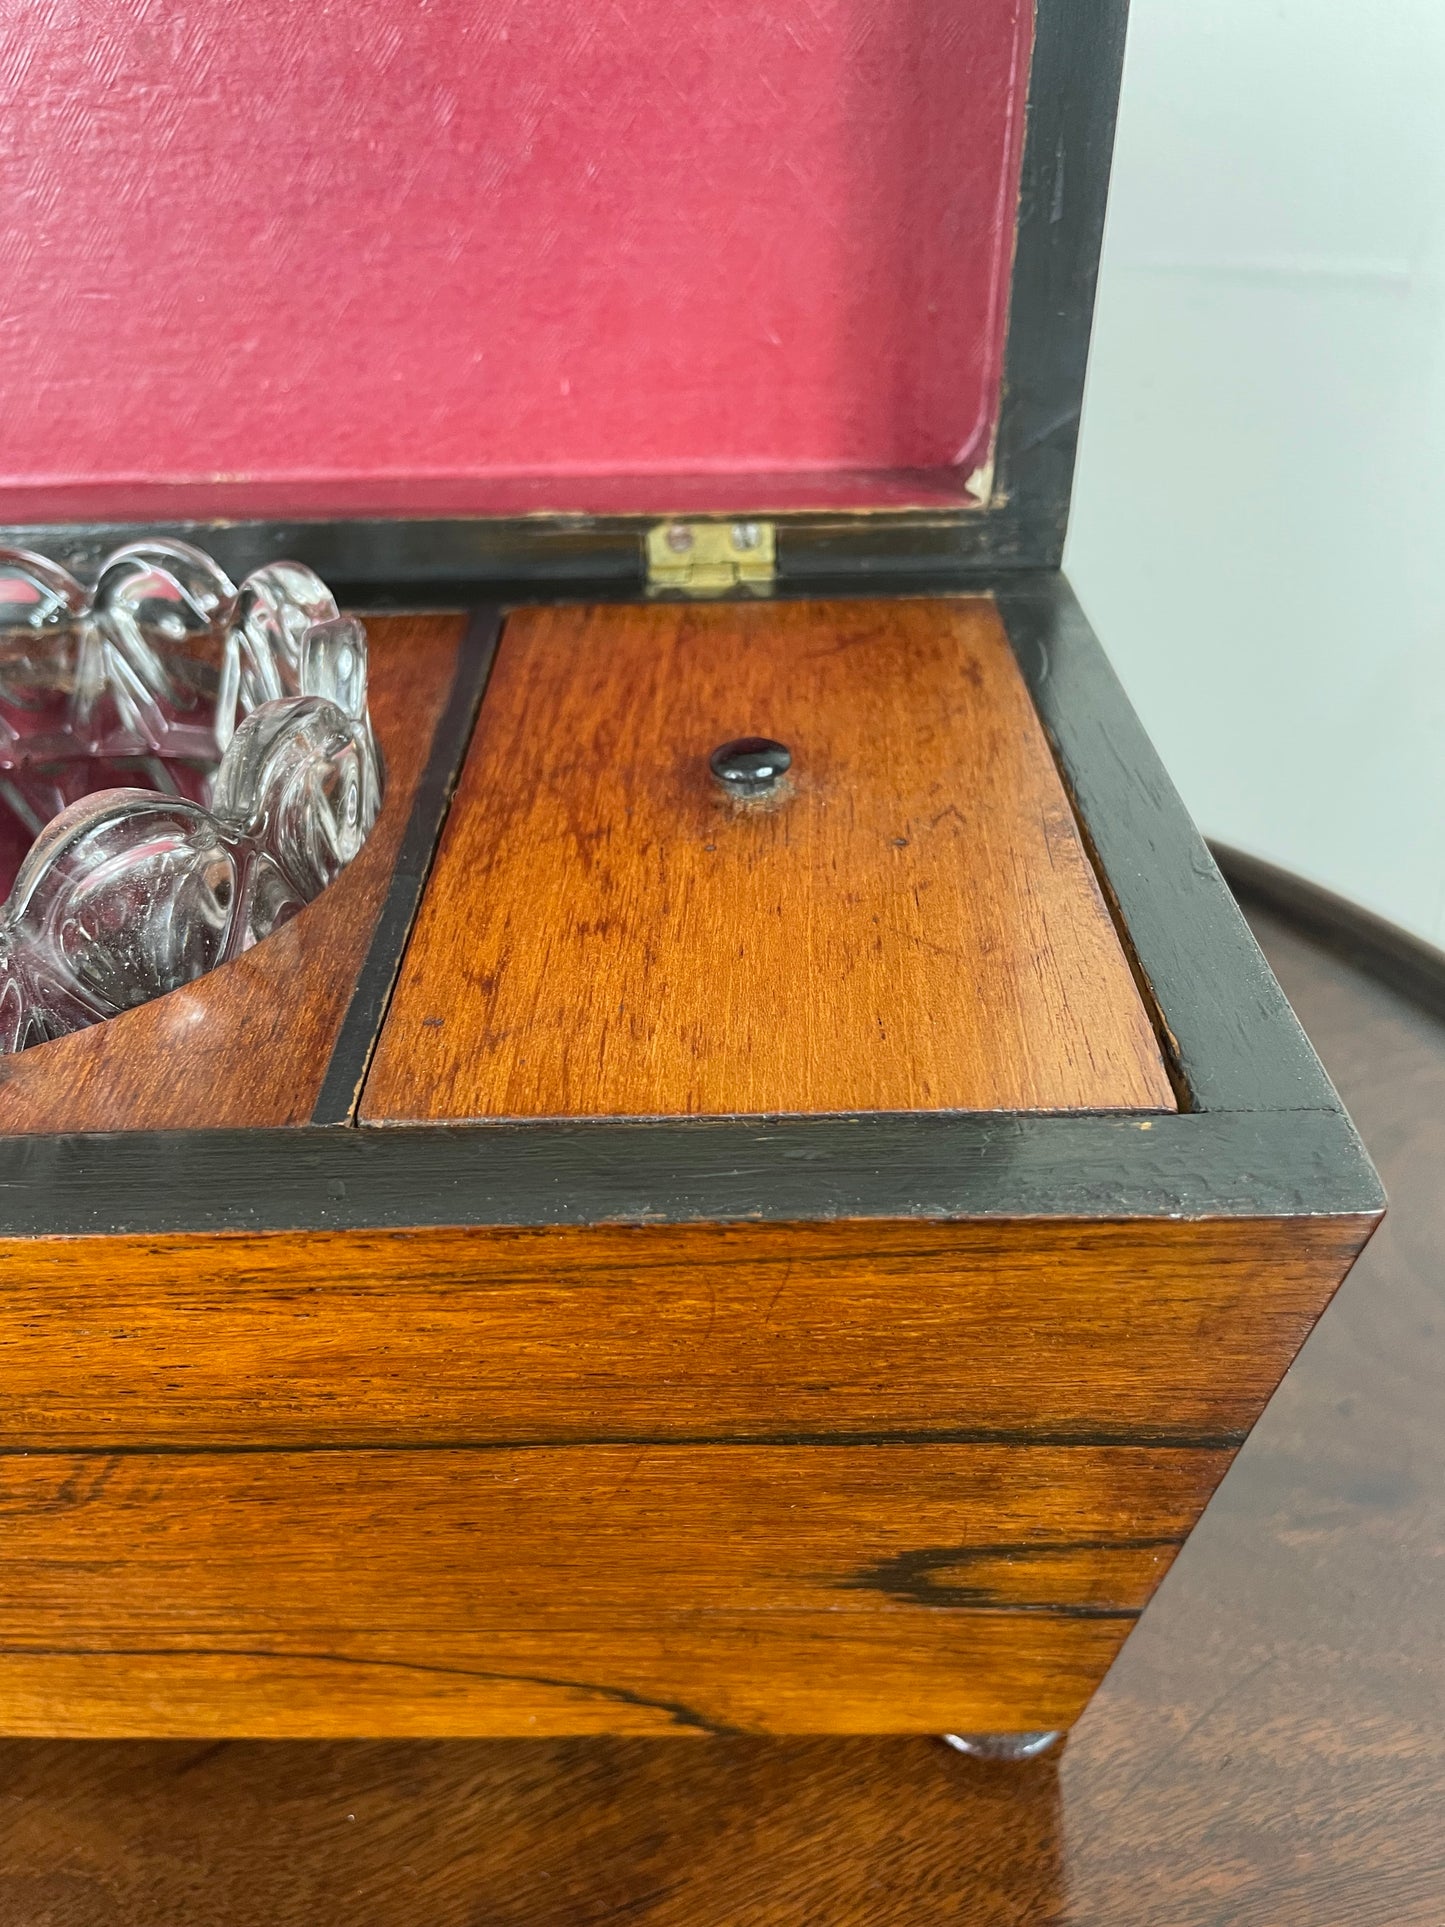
{"x": 1003, "y": 1746}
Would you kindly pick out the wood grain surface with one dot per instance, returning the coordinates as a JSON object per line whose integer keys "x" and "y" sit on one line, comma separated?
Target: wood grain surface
{"x": 1264, "y": 1753}
{"x": 1146, "y": 1330}
{"x": 914, "y": 924}
{"x": 841, "y": 1478}
{"x": 585, "y": 1535}
{"x": 592, "y": 1588}
{"x": 818, "y": 1671}
{"x": 249, "y": 1043}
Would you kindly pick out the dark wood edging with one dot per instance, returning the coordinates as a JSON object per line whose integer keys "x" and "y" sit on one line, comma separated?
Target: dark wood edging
{"x": 1227, "y": 1023}
{"x": 1380, "y": 949}
{"x": 351, "y": 1053}
{"x": 704, "y": 1170}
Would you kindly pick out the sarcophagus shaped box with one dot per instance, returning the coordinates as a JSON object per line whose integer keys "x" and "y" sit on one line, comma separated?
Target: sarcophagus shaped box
{"x": 769, "y": 1190}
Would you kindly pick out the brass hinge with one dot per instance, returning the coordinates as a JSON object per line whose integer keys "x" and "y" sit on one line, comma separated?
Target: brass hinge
{"x": 709, "y": 558}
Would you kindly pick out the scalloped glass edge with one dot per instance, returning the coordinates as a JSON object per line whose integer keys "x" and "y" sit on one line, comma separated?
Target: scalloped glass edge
{"x": 245, "y": 711}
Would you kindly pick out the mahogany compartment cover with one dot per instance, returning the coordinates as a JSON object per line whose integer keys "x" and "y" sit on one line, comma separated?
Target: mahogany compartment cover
{"x": 910, "y": 923}
{"x": 271, "y": 260}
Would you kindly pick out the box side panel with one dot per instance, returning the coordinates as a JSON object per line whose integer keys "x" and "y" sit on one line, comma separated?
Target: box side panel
{"x": 582, "y": 1588}
{"x": 436, "y": 1484}
{"x": 800, "y": 1674}
{"x": 1031, "y": 1331}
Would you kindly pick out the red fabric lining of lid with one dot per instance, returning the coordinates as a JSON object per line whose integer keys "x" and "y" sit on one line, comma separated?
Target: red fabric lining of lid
{"x": 506, "y": 258}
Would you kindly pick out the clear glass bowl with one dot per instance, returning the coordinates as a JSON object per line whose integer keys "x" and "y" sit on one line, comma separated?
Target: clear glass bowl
{"x": 183, "y": 766}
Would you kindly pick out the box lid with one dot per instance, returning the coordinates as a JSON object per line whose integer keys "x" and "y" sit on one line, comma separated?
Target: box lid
{"x": 554, "y": 264}
{"x": 899, "y": 917}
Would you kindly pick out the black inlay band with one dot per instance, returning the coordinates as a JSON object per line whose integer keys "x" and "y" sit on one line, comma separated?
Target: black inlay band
{"x": 355, "y": 1041}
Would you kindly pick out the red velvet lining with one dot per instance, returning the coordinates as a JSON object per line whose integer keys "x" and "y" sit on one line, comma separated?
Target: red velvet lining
{"x": 454, "y": 257}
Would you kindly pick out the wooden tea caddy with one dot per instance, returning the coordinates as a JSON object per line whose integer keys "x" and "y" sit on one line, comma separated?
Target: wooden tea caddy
{"x": 634, "y": 1260}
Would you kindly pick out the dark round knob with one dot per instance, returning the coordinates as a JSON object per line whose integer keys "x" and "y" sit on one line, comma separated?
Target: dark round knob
{"x": 749, "y": 766}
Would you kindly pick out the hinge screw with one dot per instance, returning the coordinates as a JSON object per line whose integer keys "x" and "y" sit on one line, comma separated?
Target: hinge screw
{"x": 747, "y": 535}
{"x": 679, "y": 538}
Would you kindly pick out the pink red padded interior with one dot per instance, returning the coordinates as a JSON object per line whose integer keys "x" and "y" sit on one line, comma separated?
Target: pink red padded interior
{"x": 503, "y": 255}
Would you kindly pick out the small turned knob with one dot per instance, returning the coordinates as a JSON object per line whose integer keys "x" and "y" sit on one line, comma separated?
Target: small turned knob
{"x": 750, "y": 765}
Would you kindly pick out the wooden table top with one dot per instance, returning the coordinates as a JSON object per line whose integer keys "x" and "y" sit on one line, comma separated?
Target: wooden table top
{"x": 1268, "y": 1752}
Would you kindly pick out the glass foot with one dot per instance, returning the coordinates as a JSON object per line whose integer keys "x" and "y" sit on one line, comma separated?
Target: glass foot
{"x": 1002, "y": 1746}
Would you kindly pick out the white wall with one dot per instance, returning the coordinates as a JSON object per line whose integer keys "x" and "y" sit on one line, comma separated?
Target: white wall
{"x": 1259, "y": 519}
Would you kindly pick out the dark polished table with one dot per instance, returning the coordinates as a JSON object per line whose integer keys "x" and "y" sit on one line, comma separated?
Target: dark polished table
{"x": 1269, "y": 1751}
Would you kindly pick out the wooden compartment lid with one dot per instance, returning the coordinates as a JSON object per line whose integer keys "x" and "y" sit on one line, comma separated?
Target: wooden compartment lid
{"x": 909, "y": 923}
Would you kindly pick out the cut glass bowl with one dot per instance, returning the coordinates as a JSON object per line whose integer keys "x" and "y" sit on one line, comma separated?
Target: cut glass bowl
{"x": 183, "y": 766}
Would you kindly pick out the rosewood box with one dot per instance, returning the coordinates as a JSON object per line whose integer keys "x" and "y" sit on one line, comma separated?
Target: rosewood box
{"x": 675, "y": 1238}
